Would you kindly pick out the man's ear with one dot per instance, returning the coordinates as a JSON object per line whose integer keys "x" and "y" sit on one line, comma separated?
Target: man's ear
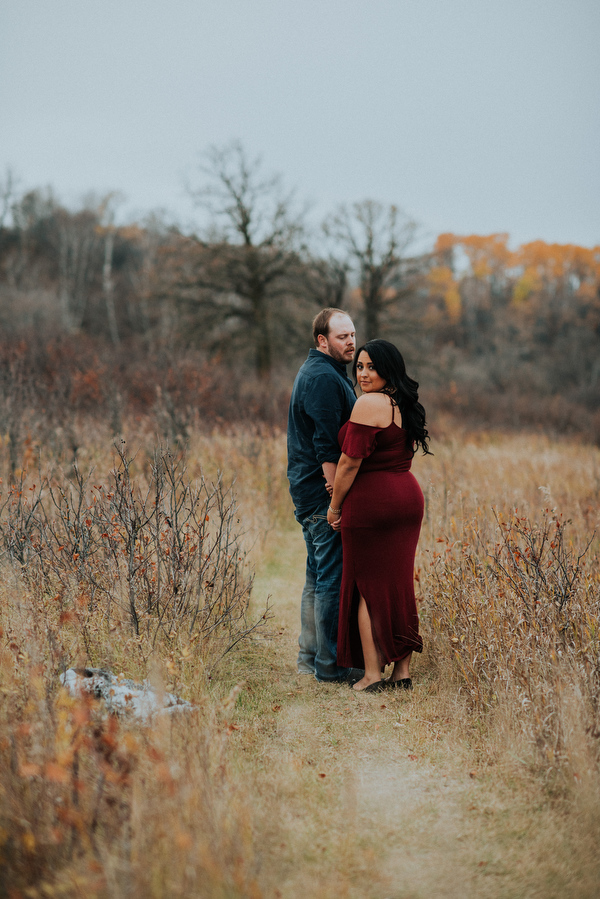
{"x": 322, "y": 341}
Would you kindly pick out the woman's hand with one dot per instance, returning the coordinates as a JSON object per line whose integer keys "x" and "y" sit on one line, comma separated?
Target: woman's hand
{"x": 345, "y": 473}
{"x": 334, "y": 517}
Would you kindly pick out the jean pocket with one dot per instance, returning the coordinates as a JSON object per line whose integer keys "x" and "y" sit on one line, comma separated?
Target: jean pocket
{"x": 311, "y": 520}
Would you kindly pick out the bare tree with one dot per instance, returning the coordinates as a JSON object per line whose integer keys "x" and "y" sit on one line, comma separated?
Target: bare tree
{"x": 7, "y": 195}
{"x": 106, "y": 229}
{"x": 374, "y": 239}
{"x": 23, "y": 263}
{"x": 251, "y": 262}
{"x": 79, "y": 253}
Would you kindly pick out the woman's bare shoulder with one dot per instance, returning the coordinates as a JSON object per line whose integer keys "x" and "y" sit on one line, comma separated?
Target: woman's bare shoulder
{"x": 372, "y": 409}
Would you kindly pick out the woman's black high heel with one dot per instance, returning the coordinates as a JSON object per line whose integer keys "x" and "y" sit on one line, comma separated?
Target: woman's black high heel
{"x": 404, "y": 683}
{"x": 377, "y": 687}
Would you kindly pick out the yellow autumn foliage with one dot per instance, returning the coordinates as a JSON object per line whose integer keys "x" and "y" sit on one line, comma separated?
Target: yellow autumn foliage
{"x": 442, "y": 283}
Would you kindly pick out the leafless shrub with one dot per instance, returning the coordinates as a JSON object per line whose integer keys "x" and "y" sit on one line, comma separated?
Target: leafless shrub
{"x": 163, "y": 553}
{"x": 144, "y": 568}
{"x": 519, "y": 619}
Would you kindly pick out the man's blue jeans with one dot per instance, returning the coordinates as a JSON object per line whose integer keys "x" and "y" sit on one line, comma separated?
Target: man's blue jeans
{"x": 320, "y": 598}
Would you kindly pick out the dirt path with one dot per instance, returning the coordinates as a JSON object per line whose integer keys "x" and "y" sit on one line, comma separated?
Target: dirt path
{"x": 379, "y": 796}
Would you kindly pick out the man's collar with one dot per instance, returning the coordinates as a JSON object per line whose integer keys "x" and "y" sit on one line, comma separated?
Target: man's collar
{"x": 319, "y": 354}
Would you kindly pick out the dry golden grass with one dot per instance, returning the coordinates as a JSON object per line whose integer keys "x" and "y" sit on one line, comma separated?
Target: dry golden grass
{"x": 279, "y": 787}
{"x": 511, "y": 581}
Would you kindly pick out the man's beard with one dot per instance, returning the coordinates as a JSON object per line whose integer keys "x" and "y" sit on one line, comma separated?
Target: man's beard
{"x": 339, "y": 357}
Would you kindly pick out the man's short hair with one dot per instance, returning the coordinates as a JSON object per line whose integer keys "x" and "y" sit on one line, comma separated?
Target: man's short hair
{"x": 321, "y": 322}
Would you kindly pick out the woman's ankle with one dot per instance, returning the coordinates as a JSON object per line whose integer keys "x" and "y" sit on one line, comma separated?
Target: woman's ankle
{"x": 402, "y": 673}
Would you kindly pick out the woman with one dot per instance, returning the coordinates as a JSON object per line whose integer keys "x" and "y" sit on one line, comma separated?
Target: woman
{"x": 381, "y": 519}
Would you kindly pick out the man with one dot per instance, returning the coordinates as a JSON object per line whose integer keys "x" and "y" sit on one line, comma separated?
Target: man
{"x": 322, "y": 400}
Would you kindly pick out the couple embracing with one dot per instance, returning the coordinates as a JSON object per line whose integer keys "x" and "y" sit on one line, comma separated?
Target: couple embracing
{"x": 359, "y": 506}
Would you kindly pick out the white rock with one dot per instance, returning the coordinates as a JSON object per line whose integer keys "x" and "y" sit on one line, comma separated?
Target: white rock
{"x": 120, "y": 694}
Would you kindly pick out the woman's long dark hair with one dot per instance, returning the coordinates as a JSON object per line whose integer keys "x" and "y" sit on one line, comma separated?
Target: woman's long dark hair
{"x": 389, "y": 365}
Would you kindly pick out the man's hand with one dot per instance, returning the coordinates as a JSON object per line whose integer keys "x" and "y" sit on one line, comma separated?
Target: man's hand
{"x": 329, "y": 469}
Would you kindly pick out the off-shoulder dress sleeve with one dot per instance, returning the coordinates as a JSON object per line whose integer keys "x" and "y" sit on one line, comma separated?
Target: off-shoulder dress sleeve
{"x": 359, "y": 440}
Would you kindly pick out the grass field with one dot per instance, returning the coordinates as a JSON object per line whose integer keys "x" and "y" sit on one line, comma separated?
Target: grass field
{"x": 483, "y": 782}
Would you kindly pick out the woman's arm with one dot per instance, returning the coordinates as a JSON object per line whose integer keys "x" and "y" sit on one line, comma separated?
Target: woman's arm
{"x": 373, "y": 409}
{"x": 347, "y": 469}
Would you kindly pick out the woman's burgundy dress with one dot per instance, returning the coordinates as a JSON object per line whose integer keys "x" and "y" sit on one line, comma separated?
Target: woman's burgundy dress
{"x": 381, "y": 521}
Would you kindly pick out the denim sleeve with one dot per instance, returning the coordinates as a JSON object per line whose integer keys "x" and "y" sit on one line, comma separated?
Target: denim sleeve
{"x": 325, "y": 402}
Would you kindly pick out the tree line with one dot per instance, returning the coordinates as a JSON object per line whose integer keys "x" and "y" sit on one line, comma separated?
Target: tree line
{"x": 149, "y": 315}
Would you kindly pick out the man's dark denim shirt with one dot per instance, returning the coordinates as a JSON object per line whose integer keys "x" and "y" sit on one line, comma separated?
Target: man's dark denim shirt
{"x": 322, "y": 400}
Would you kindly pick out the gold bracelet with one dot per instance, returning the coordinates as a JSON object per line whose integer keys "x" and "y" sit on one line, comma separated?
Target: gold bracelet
{"x": 335, "y": 511}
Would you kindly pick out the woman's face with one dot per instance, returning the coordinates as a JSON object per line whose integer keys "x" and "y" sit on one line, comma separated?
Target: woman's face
{"x": 368, "y": 379}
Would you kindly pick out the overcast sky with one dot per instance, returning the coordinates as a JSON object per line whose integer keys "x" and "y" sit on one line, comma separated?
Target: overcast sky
{"x": 474, "y": 116}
